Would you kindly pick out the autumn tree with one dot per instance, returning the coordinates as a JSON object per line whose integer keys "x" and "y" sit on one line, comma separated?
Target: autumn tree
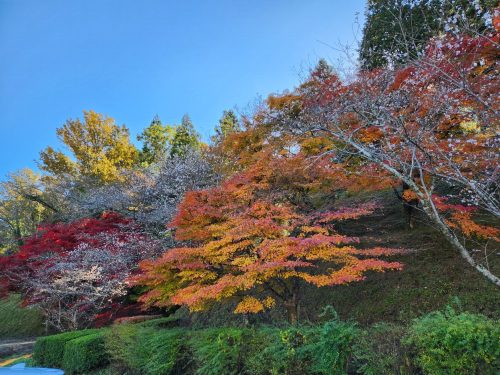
{"x": 256, "y": 242}
{"x": 99, "y": 149}
{"x": 431, "y": 124}
{"x": 74, "y": 271}
{"x": 397, "y": 31}
{"x": 156, "y": 139}
{"x": 149, "y": 195}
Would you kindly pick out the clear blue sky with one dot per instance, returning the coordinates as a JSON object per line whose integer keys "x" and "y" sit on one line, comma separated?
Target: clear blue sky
{"x": 134, "y": 59}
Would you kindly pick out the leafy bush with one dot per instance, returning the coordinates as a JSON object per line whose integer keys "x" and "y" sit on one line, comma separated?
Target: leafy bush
{"x": 277, "y": 351}
{"x": 165, "y": 353}
{"x": 379, "y": 350}
{"x": 331, "y": 347}
{"x": 18, "y": 321}
{"x": 49, "y": 350}
{"x": 167, "y": 322}
{"x": 218, "y": 351}
{"x": 145, "y": 350}
{"x": 84, "y": 353}
{"x": 456, "y": 343}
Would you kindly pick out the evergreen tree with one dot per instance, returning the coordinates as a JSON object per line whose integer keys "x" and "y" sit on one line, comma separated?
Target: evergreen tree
{"x": 228, "y": 124}
{"x": 396, "y": 31}
{"x": 185, "y": 137}
{"x": 156, "y": 139}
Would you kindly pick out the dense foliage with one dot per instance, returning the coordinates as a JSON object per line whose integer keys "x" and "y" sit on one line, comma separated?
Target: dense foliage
{"x": 257, "y": 249}
{"x": 18, "y": 321}
{"x": 396, "y": 31}
{"x": 242, "y": 241}
{"x": 74, "y": 271}
{"x": 456, "y": 343}
{"x": 439, "y": 343}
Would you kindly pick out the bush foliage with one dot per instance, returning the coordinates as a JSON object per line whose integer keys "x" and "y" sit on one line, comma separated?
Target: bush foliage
{"x": 439, "y": 343}
{"x": 456, "y": 343}
{"x": 27, "y": 322}
{"x": 84, "y": 353}
{"x": 49, "y": 350}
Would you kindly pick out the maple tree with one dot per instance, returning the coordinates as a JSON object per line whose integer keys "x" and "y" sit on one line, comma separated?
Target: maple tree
{"x": 255, "y": 242}
{"x": 435, "y": 119}
{"x": 73, "y": 271}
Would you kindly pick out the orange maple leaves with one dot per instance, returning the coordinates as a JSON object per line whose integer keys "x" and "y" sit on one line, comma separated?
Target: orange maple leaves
{"x": 252, "y": 243}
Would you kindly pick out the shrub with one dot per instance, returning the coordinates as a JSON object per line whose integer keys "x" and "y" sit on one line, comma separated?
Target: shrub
{"x": 144, "y": 349}
{"x": 218, "y": 351}
{"x": 325, "y": 349}
{"x": 167, "y": 322}
{"x": 456, "y": 343}
{"x": 330, "y": 347}
{"x": 123, "y": 346}
{"x": 277, "y": 351}
{"x": 18, "y": 321}
{"x": 165, "y": 353}
{"x": 49, "y": 350}
{"x": 84, "y": 353}
{"x": 379, "y": 350}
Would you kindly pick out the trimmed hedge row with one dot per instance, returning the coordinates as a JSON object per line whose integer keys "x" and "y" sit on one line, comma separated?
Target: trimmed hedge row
{"x": 49, "y": 350}
{"x": 439, "y": 343}
{"x": 84, "y": 353}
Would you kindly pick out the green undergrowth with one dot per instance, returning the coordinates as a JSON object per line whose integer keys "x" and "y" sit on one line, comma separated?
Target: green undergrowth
{"x": 443, "y": 342}
{"x": 433, "y": 273}
{"x": 17, "y": 321}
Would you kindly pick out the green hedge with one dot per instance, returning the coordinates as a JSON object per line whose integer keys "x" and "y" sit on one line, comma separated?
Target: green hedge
{"x": 229, "y": 351}
{"x": 85, "y": 353}
{"x": 438, "y": 343}
{"x": 145, "y": 349}
{"x": 454, "y": 343}
{"x": 49, "y": 350}
{"x": 218, "y": 350}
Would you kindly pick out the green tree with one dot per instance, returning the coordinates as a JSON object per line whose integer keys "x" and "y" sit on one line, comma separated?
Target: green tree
{"x": 22, "y": 208}
{"x": 99, "y": 149}
{"x": 396, "y": 31}
{"x": 156, "y": 139}
{"x": 228, "y": 124}
{"x": 185, "y": 137}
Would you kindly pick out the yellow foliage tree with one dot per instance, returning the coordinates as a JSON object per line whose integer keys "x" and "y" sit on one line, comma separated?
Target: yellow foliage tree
{"x": 99, "y": 148}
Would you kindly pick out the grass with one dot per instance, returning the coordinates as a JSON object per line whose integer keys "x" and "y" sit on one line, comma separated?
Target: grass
{"x": 17, "y": 321}
{"x": 433, "y": 274}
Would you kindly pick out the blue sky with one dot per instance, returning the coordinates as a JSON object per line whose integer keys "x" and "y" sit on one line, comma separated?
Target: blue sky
{"x": 134, "y": 59}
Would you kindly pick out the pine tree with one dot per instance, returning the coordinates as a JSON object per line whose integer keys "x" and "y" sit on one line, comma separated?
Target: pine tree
{"x": 156, "y": 139}
{"x": 185, "y": 137}
{"x": 228, "y": 124}
{"x": 396, "y": 31}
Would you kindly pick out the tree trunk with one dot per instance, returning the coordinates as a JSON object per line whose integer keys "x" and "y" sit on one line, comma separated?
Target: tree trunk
{"x": 452, "y": 238}
{"x": 429, "y": 209}
{"x": 292, "y": 309}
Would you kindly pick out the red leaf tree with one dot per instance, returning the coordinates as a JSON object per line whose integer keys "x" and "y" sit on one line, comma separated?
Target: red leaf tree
{"x": 432, "y": 125}
{"x": 256, "y": 243}
{"x": 74, "y": 271}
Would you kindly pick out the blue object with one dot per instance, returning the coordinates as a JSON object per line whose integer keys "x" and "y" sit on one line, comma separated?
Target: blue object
{"x": 21, "y": 369}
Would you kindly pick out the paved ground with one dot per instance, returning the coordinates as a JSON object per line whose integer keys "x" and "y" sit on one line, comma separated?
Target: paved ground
{"x": 12, "y": 347}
